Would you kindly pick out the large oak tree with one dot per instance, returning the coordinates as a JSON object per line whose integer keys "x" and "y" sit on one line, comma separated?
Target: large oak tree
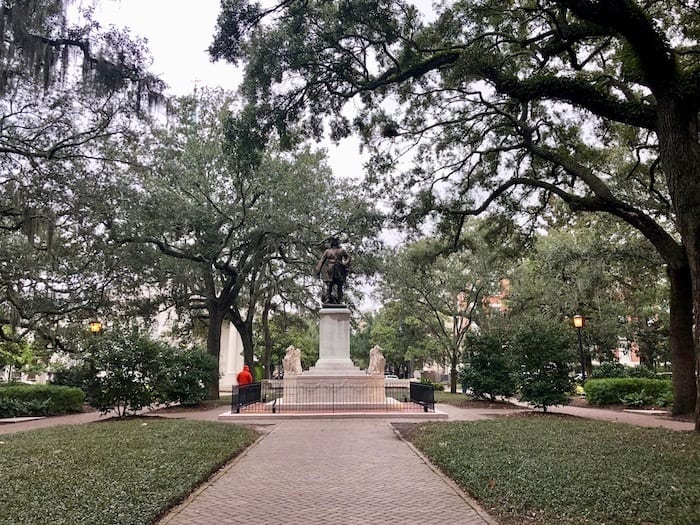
{"x": 232, "y": 229}
{"x": 70, "y": 98}
{"x": 510, "y": 102}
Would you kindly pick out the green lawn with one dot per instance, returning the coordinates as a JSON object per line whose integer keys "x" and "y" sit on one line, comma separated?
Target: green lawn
{"x": 113, "y": 472}
{"x": 546, "y": 469}
{"x": 460, "y": 400}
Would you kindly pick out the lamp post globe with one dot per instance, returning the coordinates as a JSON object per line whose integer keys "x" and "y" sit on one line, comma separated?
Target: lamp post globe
{"x": 95, "y": 327}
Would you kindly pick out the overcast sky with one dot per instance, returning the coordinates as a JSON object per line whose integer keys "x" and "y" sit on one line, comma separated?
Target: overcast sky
{"x": 179, "y": 34}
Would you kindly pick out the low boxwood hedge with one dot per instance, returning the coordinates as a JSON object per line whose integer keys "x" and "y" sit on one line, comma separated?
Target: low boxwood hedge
{"x": 56, "y": 399}
{"x": 612, "y": 391}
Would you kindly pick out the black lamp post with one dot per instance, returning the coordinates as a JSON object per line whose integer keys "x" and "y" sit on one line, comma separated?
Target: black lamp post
{"x": 579, "y": 321}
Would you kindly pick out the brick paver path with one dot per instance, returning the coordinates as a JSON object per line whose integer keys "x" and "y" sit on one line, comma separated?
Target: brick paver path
{"x": 329, "y": 472}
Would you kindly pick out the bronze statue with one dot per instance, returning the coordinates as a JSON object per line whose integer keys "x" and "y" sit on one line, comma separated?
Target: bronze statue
{"x": 333, "y": 269}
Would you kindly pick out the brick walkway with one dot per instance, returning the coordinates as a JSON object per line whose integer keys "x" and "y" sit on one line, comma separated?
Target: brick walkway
{"x": 329, "y": 472}
{"x": 335, "y": 471}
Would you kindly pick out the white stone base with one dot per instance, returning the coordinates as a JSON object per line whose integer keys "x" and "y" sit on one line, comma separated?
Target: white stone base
{"x": 334, "y": 389}
{"x": 334, "y": 345}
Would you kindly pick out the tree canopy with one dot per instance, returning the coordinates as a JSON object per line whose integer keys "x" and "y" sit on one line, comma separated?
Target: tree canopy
{"x": 234, "y": 234}
{"x": 70, "y": 102}
{"x": 506, "y": 104}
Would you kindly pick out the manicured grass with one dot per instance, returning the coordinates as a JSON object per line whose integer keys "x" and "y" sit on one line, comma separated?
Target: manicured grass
{"x": 464, "y": 401}
{"x": 113, "y": 472}
{"x": 552, "y": 470}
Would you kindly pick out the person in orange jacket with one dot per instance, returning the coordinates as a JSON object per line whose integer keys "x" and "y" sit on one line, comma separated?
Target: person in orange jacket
{"x": 244, "y": 377}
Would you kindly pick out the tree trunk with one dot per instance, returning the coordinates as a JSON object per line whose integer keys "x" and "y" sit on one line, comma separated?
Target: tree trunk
{"x": 267, "y": 351}
{"x": 679, "y": 152}
{"x": 681, "y": 341}
{"x": 453, "y": 371}
{"x": 216, "y": 317}
{"x": 245, "y": 330}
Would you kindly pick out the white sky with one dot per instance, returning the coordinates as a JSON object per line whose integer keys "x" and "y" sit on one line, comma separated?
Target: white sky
{"x": 179, "y": 34}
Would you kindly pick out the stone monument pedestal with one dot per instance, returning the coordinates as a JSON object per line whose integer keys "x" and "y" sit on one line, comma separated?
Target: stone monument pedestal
{"x": 334, "y": 345}
{"x": 334, "y": 382}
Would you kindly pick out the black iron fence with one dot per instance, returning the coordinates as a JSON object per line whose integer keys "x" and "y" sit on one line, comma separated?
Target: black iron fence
{"x": 274, "y": 397}
{"x": 423, "y": 395}
{"x": 245, "y": 395}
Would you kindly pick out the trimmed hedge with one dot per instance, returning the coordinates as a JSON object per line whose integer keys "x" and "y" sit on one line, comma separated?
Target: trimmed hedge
{"x": 58, "y": 399}
{"x": 612, "y": 391}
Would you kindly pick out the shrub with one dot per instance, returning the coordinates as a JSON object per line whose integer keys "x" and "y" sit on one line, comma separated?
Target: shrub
{"x": 665, "y": 399}
{"x": 544, "y": 350}
{"x": 434, "y": 385}
{"x": 612, "y": 391}
{"x": 185, "y": 374}
{"x": 47, "y": 400}
{"x": 10, "y": 407}
{"x": 637, "y": 399}
{"x": 639, "y": 371}
{"x": 608, "y": 369}
{"x": 491, "y": 369}
{"x": 70, "y": 376}
{"x": 127, "y": 372}
{"x": 122, "y": 369}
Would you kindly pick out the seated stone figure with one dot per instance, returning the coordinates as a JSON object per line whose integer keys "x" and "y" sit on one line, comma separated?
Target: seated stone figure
{"x": 377, "y": 362}
{"x": 292, "y": 361}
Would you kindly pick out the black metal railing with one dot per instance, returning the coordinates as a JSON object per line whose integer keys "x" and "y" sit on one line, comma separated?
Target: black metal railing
{"x": 274, "y": 397}
{"x": 245, "y": 395}
{"x": 423, "y": 395}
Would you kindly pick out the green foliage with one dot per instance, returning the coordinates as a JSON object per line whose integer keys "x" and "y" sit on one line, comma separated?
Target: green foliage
{"x": 491, "y": 370}
{"x": 612, "y": 391}
{"x": 288, "y": 328}
{"x": 441, "y": 286}
{"x": 403, "y": 338}
{"x": 637, "y": 399}
{"x": 70, "y": 376}
{"x": 50, "y": 400}
{"x": 71, "y": 96}
{"x": 15, "y": 354}
{"x": 183, "y": 374}
{"x": 665, "y": 399}
{"x": 544, "y": 351}
{"x": 639, "y": 371}
{"x": 119, "y": 471}
{"x": 11, "y": 407}
{"x": 611, "y": 369}
{"x": 608, "y": 369}
{"x": 571, "y": 471}
{"x": 126, "y": 372}
{"x": 570, "y": 270}
{"x": 237, "y": 235}
{"x": 122, "y": 369}
{"x": 434, "y": 385}
{"x": 582, "y": 139}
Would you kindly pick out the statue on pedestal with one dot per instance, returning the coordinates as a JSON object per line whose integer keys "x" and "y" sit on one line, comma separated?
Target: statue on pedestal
{"x": 292, "y": 361}
{"x": 332, "y": 268}
{"x": 377, "y": 362}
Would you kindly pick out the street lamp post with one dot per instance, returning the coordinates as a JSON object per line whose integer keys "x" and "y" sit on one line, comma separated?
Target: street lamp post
{"x": 579, "y": 321}
{"x": 95, "y": 327}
